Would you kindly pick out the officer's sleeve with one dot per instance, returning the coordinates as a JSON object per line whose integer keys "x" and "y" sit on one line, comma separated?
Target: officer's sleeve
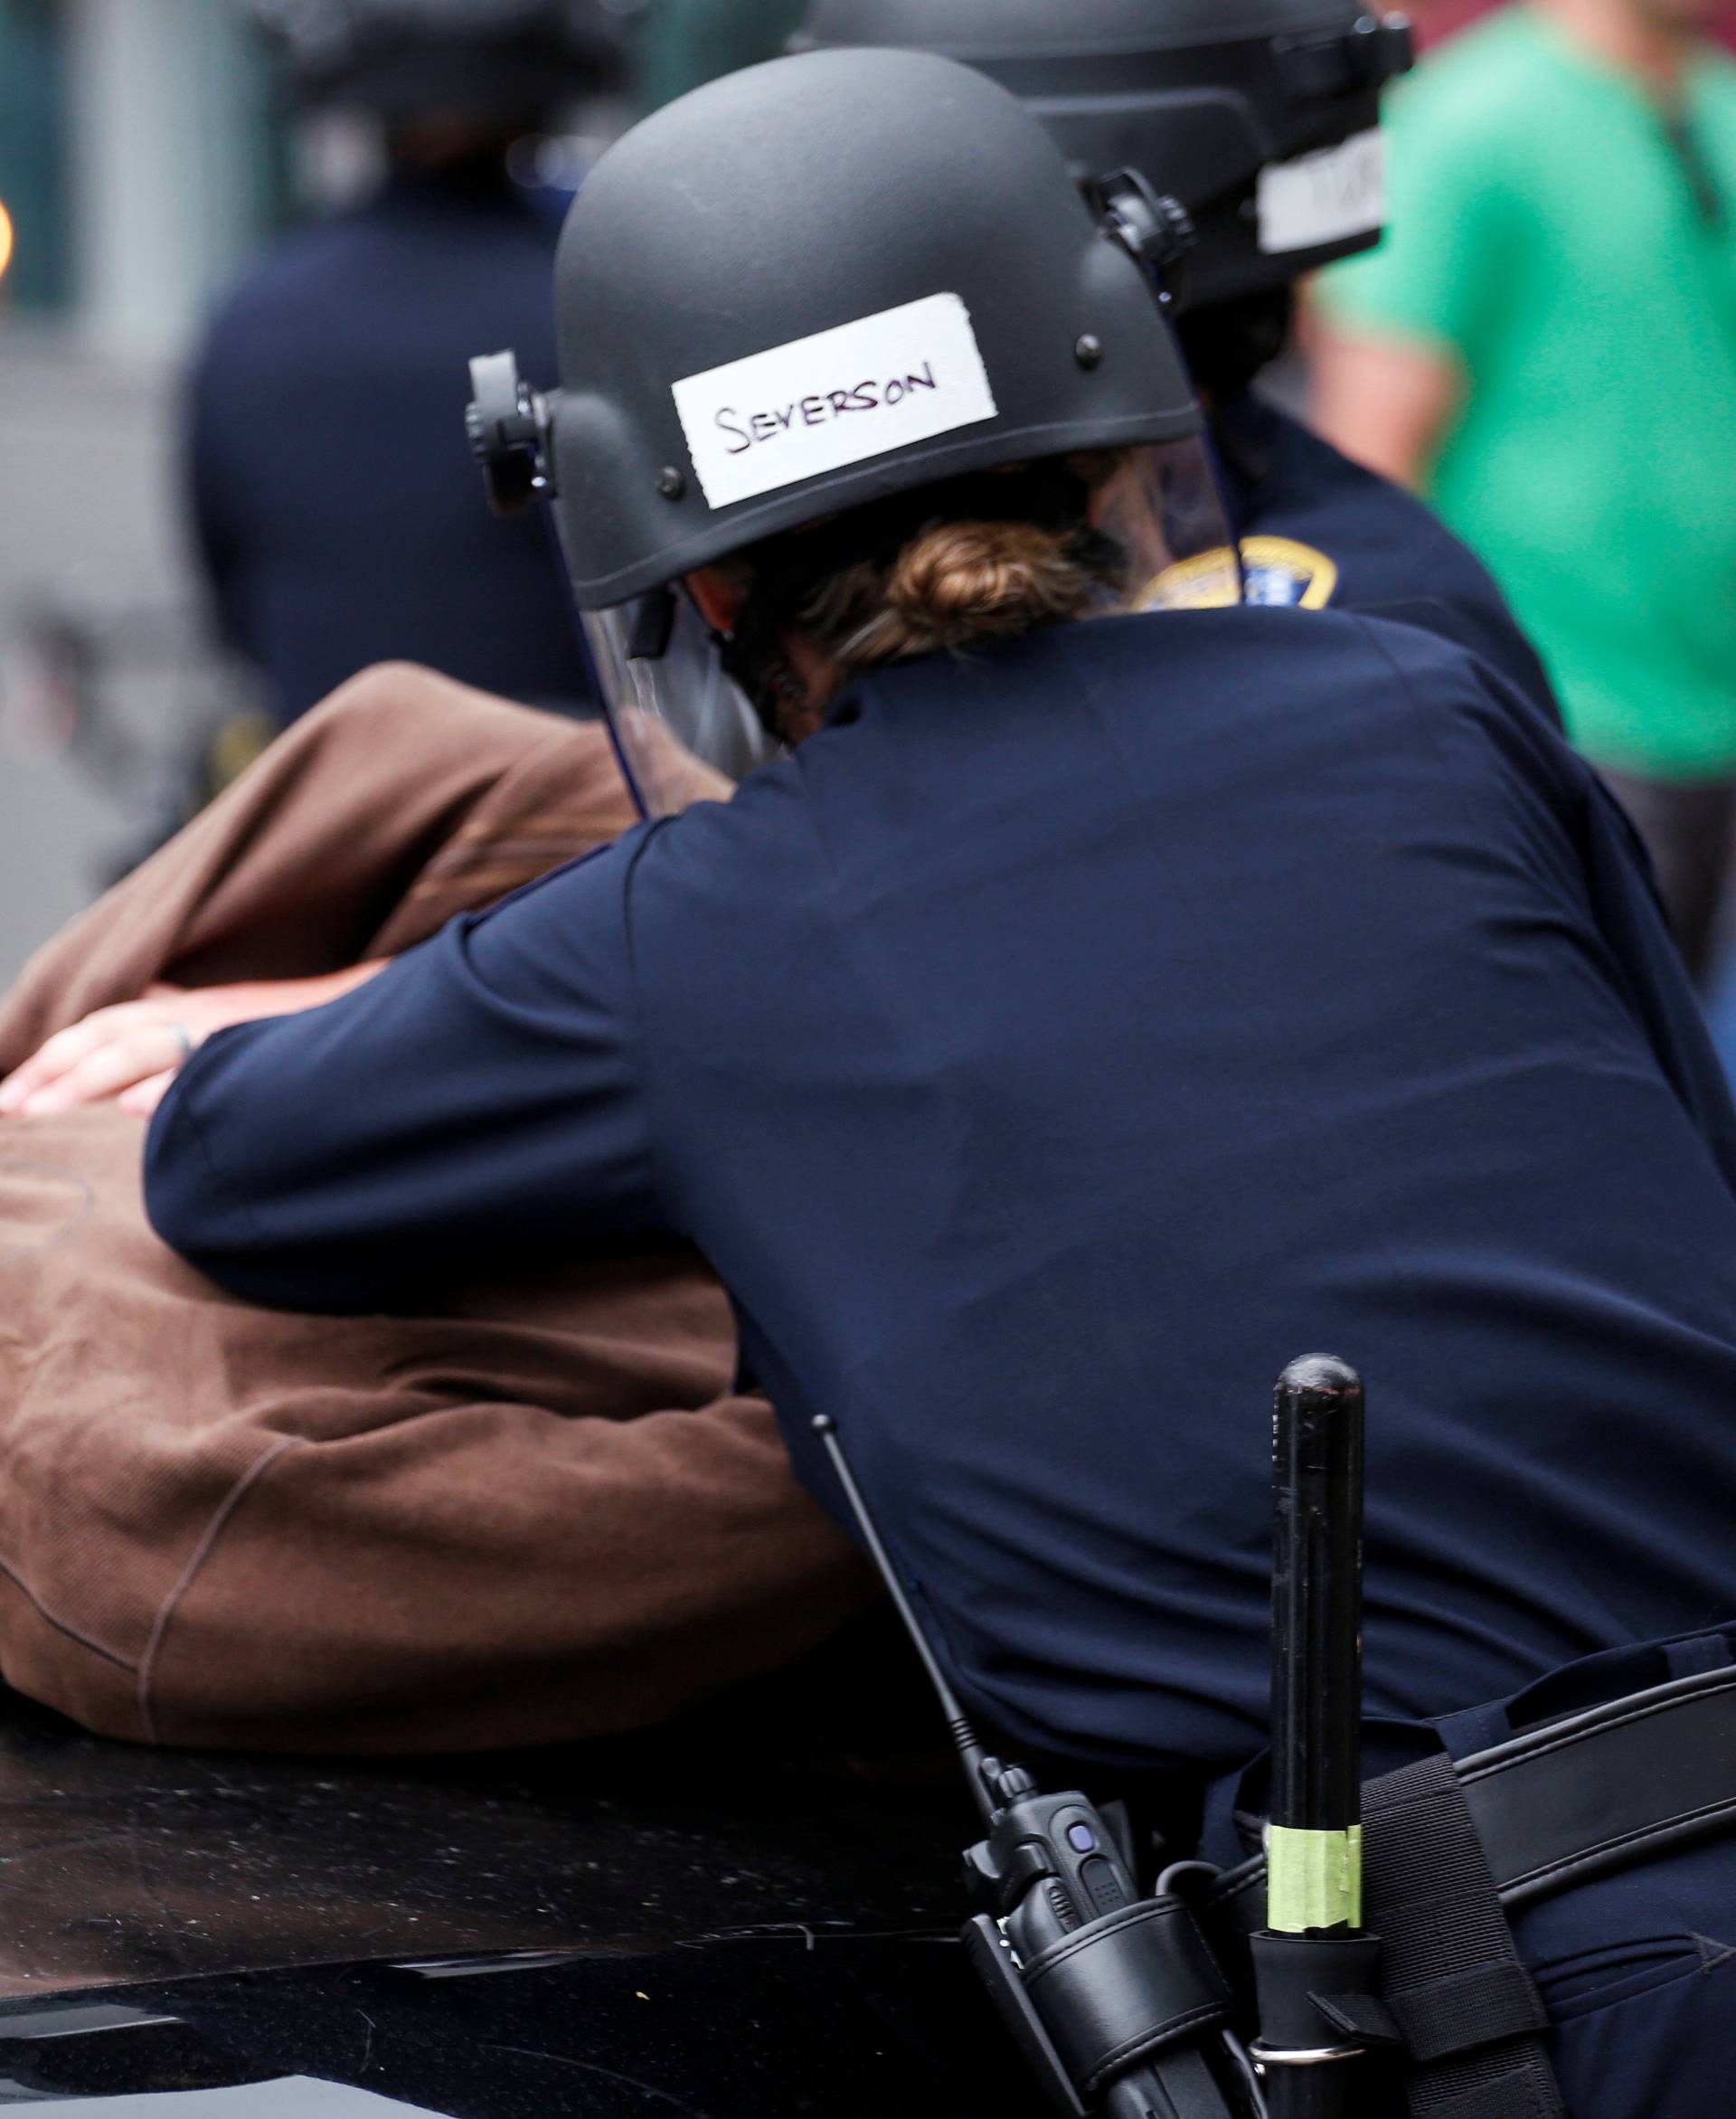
{"x": 1632, "y": 919}
{"x": 1624, "y": 902}
{"x": 1590, "y": 848}
{"x": 478, "y": 1103}
{"x": 1439, "y": 274}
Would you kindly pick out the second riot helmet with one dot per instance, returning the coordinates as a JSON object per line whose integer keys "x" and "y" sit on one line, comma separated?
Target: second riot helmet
{"x": 1260, "y": 115}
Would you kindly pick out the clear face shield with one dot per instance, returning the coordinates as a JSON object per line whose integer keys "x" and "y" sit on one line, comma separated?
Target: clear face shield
{"x": 686, "y": 732}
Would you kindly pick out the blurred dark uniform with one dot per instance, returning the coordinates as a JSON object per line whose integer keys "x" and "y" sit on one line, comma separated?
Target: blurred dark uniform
{"x": 333, "y": 496}
{"x": 1317, "y": 530}
{"x": 333, "y": 491}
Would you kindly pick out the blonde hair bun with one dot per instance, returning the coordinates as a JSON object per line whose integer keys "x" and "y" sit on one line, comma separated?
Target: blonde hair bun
{"x": 945, "y": 584}
{"x": 956, "y": 582}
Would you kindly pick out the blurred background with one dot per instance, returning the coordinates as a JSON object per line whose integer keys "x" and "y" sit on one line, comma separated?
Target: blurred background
{"x": 153, "y": 155}
{"x": 150, "y": 152}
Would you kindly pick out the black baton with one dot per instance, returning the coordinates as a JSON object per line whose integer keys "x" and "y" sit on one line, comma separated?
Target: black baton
{"x": 1314, "y": 1945}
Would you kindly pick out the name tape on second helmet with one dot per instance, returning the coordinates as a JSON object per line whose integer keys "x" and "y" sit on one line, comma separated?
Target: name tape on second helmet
{"x": 839, "y": 397}
{"x": 1327, "y": 197}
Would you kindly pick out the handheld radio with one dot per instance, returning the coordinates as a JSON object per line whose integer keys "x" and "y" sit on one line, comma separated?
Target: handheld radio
{"x": 1109, "y": 1991}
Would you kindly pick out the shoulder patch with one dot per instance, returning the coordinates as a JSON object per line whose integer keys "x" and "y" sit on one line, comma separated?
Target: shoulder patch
{"x": 1276, "y": 572}
{"x": 1279, "y": 571}
{"x": 1207, "y": 582}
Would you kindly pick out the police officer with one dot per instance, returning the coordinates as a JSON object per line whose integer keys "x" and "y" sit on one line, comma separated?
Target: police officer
{"x": 331, "y": 541}
{"x": 1082, "y": 1018}
{"x": 1263, "y": 120}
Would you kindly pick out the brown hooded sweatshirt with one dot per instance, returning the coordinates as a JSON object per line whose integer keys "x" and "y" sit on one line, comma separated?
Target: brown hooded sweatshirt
{"x": 535, "y": 1513}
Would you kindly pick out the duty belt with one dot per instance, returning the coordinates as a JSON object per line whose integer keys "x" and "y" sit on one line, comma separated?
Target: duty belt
{"x": 1385, "y": 1924}
{"x": 1454, "y": 1846}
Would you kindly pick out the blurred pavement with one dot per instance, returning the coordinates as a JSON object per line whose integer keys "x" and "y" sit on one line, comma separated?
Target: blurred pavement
{"x": 88, "y": 520}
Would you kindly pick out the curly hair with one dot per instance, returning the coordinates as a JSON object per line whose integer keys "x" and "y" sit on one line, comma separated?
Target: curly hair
{"x": 952, "y": 585}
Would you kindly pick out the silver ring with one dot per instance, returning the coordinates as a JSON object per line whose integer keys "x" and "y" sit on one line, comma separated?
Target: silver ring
{"x": 183, "y": 1037}
{"x": 1264, "y": 2055}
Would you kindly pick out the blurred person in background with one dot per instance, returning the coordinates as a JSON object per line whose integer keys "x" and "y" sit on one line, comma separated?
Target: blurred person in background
{"x": 1546, "y": 345}
{"x": 332, "y": 541}
{"x": 1265, "y": 127}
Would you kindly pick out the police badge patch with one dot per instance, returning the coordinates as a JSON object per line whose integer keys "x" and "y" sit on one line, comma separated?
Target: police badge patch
{"x": 1278, "y": 572}
{"x": 1207, "y": 582}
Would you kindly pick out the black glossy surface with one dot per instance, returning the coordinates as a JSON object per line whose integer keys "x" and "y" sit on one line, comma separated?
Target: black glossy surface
{"x": 750, "y": 2029}
{"x": 121, "y": 1864}
{"x": 609, "y": 1934}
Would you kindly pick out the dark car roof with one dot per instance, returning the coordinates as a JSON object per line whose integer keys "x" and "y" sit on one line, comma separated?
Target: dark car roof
{"x": 622, "y": 1930}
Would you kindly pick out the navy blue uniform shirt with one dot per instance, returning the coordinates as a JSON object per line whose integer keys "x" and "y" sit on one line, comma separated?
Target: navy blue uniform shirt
{"x": 1360, "y": 543}
{"x": 338, "y": 509}
{"x": 1058, "y": 1043}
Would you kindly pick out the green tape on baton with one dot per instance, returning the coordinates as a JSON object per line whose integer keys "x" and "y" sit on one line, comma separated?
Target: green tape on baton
{"x": 1313, "y": 1879}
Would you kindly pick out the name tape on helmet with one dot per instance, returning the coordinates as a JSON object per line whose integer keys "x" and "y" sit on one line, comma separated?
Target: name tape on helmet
{"x": 1327, "y": 197}
{"x": 836, "y": 398}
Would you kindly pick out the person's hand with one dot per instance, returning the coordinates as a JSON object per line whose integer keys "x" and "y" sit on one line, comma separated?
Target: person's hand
{"x": 133, "y": 1051}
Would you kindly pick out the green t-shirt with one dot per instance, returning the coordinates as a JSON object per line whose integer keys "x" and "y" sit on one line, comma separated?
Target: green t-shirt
{"x": 1545, "y": 227}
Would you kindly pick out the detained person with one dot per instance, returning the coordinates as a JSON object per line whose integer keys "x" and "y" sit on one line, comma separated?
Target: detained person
{"x": 1098, "y": 1005}
{"x": 526, "y": 1509}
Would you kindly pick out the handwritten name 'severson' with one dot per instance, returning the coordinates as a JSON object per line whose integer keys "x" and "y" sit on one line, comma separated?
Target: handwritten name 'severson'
{"x": 922, "y": 377}
{"x": 818, "y": 410}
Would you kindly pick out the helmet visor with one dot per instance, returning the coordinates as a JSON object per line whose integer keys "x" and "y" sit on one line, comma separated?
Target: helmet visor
{"x": 685, "y": 731}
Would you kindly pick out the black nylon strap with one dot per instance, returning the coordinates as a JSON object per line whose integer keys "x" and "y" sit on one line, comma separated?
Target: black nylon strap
{"x": 1468, "y": 2010}
{"x": 1451, "y": 1973}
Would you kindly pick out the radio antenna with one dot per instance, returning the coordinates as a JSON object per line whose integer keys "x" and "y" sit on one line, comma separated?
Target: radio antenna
{"x": 960, "y": 1727}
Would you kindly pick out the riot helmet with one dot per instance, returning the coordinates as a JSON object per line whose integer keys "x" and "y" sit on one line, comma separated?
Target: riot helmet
{"x": 1262, "y": 116}
{"x": 497, "y": 60}
{"x": 806, "y": 306}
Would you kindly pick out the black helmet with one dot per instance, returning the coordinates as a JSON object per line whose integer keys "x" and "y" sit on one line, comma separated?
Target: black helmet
{"x": 1260, "y": 115}
{"x": 820, "y": 281}
{"x": 808, "y": 288}
{"x": 486, "y": 58}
